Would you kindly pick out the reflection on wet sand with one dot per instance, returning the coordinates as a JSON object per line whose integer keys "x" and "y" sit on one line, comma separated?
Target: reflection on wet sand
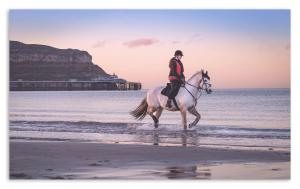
{"x": 187, "y": 172}
{"x": 155, "y": 137}
{"x": 185, "y": 136}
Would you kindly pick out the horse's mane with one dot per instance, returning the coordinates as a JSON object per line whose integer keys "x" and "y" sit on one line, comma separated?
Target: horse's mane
{"x": 198, "y": 72}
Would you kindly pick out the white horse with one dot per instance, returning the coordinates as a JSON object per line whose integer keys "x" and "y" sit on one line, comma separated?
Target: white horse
{"x": 186, "y": 100}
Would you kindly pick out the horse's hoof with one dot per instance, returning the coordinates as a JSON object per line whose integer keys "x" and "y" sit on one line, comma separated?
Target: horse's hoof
{"x": 156, "y": 126}
{"x": 191, "y": 125}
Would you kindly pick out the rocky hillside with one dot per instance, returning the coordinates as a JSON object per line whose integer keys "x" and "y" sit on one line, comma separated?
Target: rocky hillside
{"x": 33, "y": 62}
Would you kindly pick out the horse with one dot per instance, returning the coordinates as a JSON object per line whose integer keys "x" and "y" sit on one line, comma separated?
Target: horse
{"x": 154, "y": 103}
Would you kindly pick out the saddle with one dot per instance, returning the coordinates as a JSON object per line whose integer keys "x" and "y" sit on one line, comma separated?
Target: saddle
{"x": 166, "y": 91}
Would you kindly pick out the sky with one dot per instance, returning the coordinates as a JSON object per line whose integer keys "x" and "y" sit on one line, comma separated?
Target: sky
{"x": 238, "y": 48}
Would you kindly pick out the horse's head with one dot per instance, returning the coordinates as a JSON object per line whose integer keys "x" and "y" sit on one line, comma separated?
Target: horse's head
{"x": 206, "y": 82}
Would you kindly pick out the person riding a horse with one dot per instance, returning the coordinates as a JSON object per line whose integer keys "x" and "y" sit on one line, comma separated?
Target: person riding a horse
{"x": 176, "y": 76}
{"x": 156, "y": 98}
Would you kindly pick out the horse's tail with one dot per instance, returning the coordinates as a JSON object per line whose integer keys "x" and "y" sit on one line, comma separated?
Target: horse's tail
{"x": 141, "y": 111}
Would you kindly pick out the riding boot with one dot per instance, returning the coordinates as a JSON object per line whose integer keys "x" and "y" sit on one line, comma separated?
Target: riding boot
{"x": 168, "y": 105}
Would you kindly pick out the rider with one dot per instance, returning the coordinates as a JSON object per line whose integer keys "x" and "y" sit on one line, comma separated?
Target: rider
{"x": 176, "y": 76}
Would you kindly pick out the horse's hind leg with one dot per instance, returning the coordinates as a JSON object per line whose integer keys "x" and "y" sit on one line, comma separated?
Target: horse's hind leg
{"x": 158, "y": 113}
{"x": 150, "y": 111}
{"x": 156, "y": 116}
{"x": 193, "y": 111}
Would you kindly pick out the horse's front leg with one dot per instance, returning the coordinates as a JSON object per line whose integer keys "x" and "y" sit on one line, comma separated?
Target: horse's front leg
{"x": 183, "y": 116}
{"x": 193, "y": 111}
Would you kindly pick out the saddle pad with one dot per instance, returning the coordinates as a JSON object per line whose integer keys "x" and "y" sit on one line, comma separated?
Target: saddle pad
{"x": 166, "y": 90}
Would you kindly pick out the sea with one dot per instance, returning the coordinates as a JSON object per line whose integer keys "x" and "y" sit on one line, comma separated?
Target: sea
{"x": 230, "y": 118}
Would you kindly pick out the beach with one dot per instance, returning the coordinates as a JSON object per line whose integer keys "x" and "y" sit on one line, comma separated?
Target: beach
{"x": 86, "y": 160}
{"x": 87, "y": 104}
{"x": 91, "y": 135}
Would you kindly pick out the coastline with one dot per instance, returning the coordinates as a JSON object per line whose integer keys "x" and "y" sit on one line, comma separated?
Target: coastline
{"x": 80, "y": 160}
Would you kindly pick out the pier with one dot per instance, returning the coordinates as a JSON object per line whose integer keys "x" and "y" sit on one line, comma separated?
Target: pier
{"x": 72, "y": 85}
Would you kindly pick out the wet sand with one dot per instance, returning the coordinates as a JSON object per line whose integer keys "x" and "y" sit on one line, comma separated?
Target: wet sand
{"x": 79, "y": 160}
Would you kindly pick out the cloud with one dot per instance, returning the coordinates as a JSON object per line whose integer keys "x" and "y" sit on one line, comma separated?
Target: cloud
{"x": 99, "y": 44}
{"x": 175, "y": 42}
{"x": 141, "y": 42}
{"x": 194, "y": 38}
{"x": 197, "y": 35}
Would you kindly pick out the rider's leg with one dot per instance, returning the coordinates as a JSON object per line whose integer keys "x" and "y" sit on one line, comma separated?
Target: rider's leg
{"x": 171, "y": 94}
{"x": 175, "y": 85}
{"x": 168, "y": 105}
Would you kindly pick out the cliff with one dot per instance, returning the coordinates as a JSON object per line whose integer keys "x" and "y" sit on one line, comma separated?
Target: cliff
{"x": 32, "y": 62}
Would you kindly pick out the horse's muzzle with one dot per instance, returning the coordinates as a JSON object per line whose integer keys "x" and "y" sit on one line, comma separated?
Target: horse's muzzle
{"x": 209, "y": 91}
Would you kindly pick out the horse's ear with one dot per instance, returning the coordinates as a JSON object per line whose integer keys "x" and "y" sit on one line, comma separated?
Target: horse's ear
{"x": 206, "y": 73}
{"x": 202, "y": 71}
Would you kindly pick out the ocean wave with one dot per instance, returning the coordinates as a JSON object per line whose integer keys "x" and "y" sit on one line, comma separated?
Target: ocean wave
{"x": 168, "y": 130}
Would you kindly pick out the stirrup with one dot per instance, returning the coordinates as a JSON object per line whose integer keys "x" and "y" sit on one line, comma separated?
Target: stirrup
{"x": 169, "y": 105}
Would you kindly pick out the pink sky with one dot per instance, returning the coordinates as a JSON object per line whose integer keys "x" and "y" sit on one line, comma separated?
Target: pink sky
{"x": 233, "y": 59}
{"x": 231, "y": 62}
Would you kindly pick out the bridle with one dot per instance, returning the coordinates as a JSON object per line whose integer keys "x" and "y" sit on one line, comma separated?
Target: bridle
{"x": 199, "y": 89}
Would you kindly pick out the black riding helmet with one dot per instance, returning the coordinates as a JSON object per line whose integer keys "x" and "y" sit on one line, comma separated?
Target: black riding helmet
{"x": 178, "y": 53}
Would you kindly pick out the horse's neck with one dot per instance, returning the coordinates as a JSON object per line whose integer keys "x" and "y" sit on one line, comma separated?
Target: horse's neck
{"x": 195, "y": 82}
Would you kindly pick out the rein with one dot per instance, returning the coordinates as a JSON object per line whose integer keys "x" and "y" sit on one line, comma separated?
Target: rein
{"x": 199, "y": 89}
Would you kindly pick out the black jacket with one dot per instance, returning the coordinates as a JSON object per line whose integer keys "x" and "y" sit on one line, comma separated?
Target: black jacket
{"x": 176, "y": 70}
